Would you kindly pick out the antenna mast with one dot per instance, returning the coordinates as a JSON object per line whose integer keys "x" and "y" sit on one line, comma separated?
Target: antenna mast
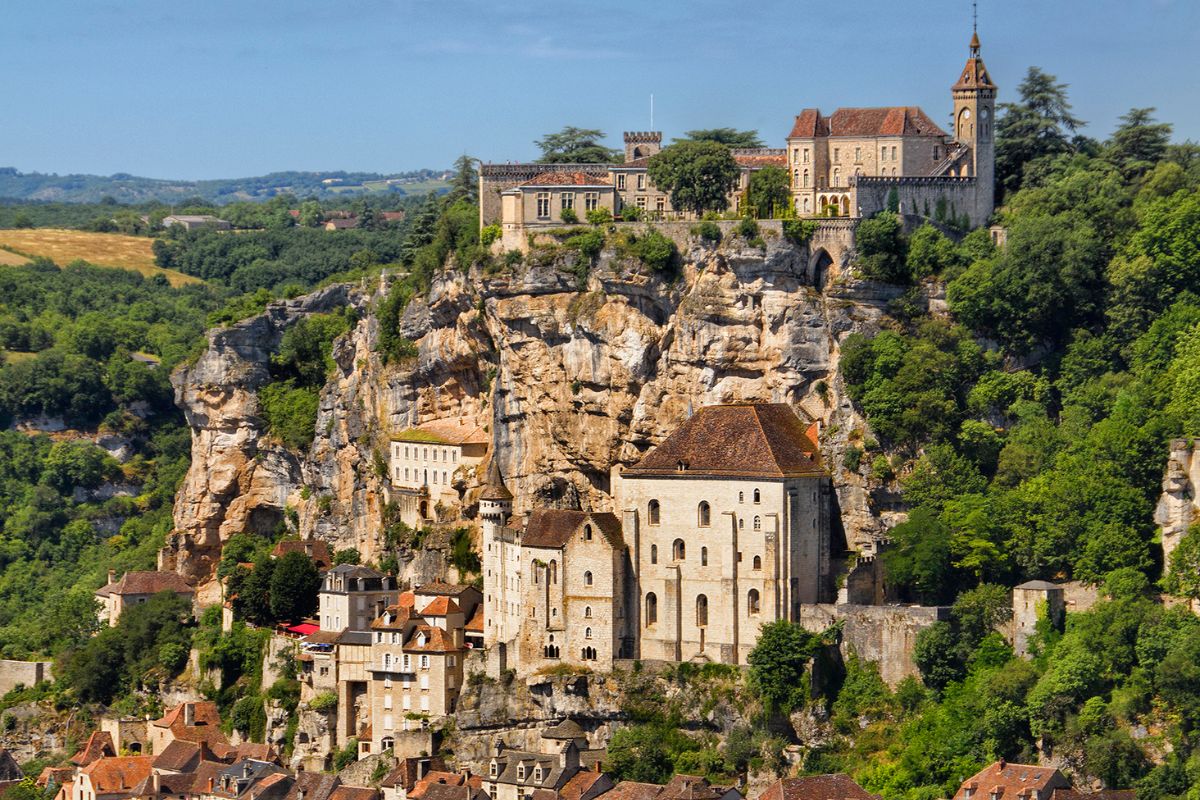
{"x": 652, "y": 111}
{"x": 974, "y": 16}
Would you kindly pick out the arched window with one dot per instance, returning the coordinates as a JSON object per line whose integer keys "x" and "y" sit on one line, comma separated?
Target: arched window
{"x": 704, "y": 556}
{"x": 651, "y": 608}
{"x": 795, "y": 177}
{"x": 587, "y": 612}
{"x": 807, "y": 207}
{"x": 758, "y": 562}
{"x": 741, "y": 497}
{"x": 805, "y": 179}
{"x": 587, "y": 579}
{"x": 652, "y": 512}
{"x": 741, "y": 523}
{"x": 757, "y": 496}
{"x": 587, "y": 533}
{"x": 758, "y": 523}
{"x": 701, "y": 611}
{"x": 705, "y": 514}
{"x": 553, "y": 572}
{"x": 678, "y": 550}
{"x": 752, "y": 602}
{"x": 587, "y": 633}
{"x": 653, "y": 554}
{"x": 837, "y": 176}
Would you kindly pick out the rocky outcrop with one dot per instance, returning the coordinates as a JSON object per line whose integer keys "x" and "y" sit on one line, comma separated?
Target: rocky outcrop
{"x": 1178, "y": 507}
{"x": 569, "y": 383}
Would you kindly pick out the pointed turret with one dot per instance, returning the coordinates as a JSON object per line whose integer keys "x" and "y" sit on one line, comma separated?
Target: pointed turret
{"x": 495, "y": 501}
{"x": 974, "y": 128}
{"x": 975, "y": 74}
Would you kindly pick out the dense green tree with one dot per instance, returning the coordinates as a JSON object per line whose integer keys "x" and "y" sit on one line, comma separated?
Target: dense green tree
{"x": 769, "y": 193}
{"x": 1040, "y": 124}
{"x": 698, "y": 175}
{"x": 778, "y": 664}
{"x": 1138, "y": 143}
{"x": 882, "y": 248}
{"x": 294, "y": 586}
{"x": 730, "y": 137}
{"x": 574, "y": 145}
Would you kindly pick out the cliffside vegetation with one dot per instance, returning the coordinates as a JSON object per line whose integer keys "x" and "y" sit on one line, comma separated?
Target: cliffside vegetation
{"x": 1029, "y": 434}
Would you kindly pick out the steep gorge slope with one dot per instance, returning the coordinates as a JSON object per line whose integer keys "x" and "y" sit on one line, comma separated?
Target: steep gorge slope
{"x": 569, "y": 383}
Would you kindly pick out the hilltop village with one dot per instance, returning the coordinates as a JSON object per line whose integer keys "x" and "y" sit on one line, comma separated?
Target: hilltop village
{"x": 541, "y": 516}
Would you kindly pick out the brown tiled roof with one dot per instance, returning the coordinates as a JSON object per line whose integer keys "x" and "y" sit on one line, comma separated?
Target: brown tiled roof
{"x": 312, "y": 786}
{"x": 758, "y": 161}
{"x": 567, "y": 729}
{"x": 205, "y": 776}
{"x": 445, "y": 431}
{"x": 1099, "y": 794}
{"x": 633, "y": 163}
{"x": 205, "y": 727}
{"x": 354, "y": 793}
{"x": 54, "y": 776}
{"x": 252, "y": 750}
{"x": 99, "y": 745}
{"x": 1004, "y": 781}
{"x": 316, "y": 549}
{"x": 580, "y": 784}
{"x": 974, "y": 74}
{"x": 817, "y": 787}
{"x": 440, "y": 607}
{"x": 440, "y": 587}
{"x": 475, "y": 623}
{"x": 756, "y": 440}
{"x": 441, "y": 791}
{"x": 404, "y": 774}
{"x": 887, "y": 121}
{"x": 322, "y": 637}
{"x": 118, "y": 773}
{"x": 632, "y": 790}
{"x": 177, "y": 756}
{"x": 568, "y": 179}
{"x": 435, "y": 778}
{"x": 393, "y": 617}
{"x": 436, "y": 641}
{"x": 690, "y": 787}
{"x": 552, "y": 527}
{"x": 495, "y": 488}
{"x": 147, "y": 583}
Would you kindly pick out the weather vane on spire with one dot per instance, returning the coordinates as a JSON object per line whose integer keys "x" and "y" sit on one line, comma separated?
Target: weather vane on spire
{"x": 974, "y": 16}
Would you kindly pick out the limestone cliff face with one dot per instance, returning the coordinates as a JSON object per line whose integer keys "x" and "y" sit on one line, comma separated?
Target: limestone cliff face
{"x": 569, "y": 383}
{"x": 1178, "y": 506}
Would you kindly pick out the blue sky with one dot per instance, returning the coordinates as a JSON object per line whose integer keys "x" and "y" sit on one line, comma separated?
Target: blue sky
{"x": 225, "y": 88}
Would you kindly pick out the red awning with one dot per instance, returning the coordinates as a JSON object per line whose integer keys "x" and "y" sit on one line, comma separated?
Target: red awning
{"x": 304, "y": 629}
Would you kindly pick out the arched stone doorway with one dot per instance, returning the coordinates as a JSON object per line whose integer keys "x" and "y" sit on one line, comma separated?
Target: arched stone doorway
{"x": 819, "y": 266}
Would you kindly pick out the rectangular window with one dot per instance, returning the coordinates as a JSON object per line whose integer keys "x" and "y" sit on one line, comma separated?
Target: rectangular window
{"x": 406, "y": 662}
{"x": 795, "y": 155}
{"x": 567, "y": 199}
{"x": 591, "y": 201}
{"x": 424, "y": 662}
{"x": 407, "y": 704}
{"x": 806, "y": 155}
{"x": 660, "y": 204}
{"x": 387, "y": 722}
{"x": 543, "y": 205}
{"x": 450, "y": 661}
{"x": 837, "y": 155}
{"x": 641, "y": 202}
{"x": 893, "y": 152}
{"x": 883, "y": 154}
{"x": 387, "y": 702}
{"x": 858, "y": 155}
{"x": 621, "y": 180}
{"x": 641, "y": 181}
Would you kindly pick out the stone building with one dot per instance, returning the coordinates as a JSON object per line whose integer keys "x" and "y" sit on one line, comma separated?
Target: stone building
{"x": 427, "y": 464}
{"x": 135, "y": 588}
{"x": 728, "y": 526}
{"x": 417, "y": 652}
{"x": 352, "y": 596}
{"x": 850, "y": 163}
{"x": 1031, "y": 602}
{"x": 519, "y": 774}
{"x": 1012, "y": 782}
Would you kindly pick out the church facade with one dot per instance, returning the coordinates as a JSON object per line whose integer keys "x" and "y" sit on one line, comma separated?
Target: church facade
{"x": 723, "y": 527}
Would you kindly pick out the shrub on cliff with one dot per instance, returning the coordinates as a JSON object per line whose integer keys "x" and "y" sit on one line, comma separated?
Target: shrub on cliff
{"x": 655, "y": 250}
{"x": 779, "y": 665}
{"x": 290, "y": 413}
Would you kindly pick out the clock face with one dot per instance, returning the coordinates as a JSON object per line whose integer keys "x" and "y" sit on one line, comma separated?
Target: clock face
{"x": 966, "y": 114}
{"x": 983, "y": 112}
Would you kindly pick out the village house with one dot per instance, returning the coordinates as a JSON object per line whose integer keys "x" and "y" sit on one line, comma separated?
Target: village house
{"x": 111, "y": 778}
{"x": 316, "y": 549}
{"x": 417, "y": 657}
{"x": 517, "y": 774}
{"x": 1004, "y": 781}
{"x": 191, "y": 222}
{"x": 838, "y": 786}
{"x": 137, "y": 587}
{"x": 352, "y": 596}
{"x": 680, "y": 787}
{"x": 400, "y": 783}
{"x": 195, "y": 722}
{"x": 428, "y": 462}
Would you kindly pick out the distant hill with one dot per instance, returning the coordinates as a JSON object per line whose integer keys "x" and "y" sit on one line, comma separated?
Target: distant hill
{"x": 125, "y": 188}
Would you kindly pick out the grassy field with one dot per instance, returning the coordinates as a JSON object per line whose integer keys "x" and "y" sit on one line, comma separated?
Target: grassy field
{"x": 8, "y": 259}
{"x": 101, "y": 249}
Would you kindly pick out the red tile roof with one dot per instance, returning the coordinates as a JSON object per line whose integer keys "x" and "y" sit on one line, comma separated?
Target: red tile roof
{"x": 568, "y": 179}
{"x": 205, "y": 727}
{"x": 888, "y": 121}
{"x": 405, "y": 773}
{"x": 1004, "y": 781}
{"x": 54, "y": 776}
{"x": 817, "y": 787}
{"x": 440, "y": 607}
{"x": 446, "y": 431}
{"x": 757, "y": 440}
{"x": 552, "y": 527}
{"x": 436, "y": 778}
{"x": 440, "y": 587}
{"x": 580, "y": 784}
{"x": 316, "y": 549}
{"x": 117, "y": 774}
{"x": 633, "y": 790}
{"x": 147, "y": 583}
{"x": 759, "y": 161}
{"x": 178, "y": 755}
{"x": 354, "y": 793}
{"x": 475, "y": 623}
{"x": 436, "y": 641}
{"x": 974, "y": 74}
{"x": 99, "y": 745}
{"x": 690, "y": 787}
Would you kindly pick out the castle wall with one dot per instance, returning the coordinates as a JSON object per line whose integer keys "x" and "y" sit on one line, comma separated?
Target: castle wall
{"x": 25, "y": 673}
{"x": 885, "y": 635}
{"x": 920, "y": 196}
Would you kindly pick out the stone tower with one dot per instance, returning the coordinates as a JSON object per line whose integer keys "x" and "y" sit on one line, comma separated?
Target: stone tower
{"x": 974, "y": 127}
{"x": 501, "y": 568}
{"x": 641, "y": 144}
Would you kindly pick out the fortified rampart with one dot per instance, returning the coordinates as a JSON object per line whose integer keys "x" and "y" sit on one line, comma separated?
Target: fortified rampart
{"x": 23, "y": 673}
{"x": 943, "y": 198}
{"x": 885, "y": 635}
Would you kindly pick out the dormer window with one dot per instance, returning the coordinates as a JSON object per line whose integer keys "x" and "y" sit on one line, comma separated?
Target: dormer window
{"x": 492, "y": 769}
{"x": 520, "y": 772}
{"x": 537, "y": 775}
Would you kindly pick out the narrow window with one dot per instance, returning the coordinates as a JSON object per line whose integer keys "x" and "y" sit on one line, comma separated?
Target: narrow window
{"x": 587, "y": 633}
{"x": 567, "y": 199}
{"x": 705, "y": 514}
{"x": 621, "y": 180}
{"x": 701, "y": 611}
{"x": 758, "y": 562}
{"x": 641, "y": 181}
{"x": 587, "y": 533}
{"x": 758, "y": 523}
{"x": 543, "y": 205}
{"x": 653, "y": 554}
{"x": 587, "y": 612}
{"x": 837, "y": 155}
{"x": 805, "y": 179}
{"x": 651, "y": 608}
{"x": 857, "y": 154}
{"x": 741, "y": 497}
{"x": 893, "y": 152}
{"x": 652, "y": 512}
{"x": 678, "y": 550}
{"x": 757, "y": 496}
{"x": 806, "y": 155}
{"x": 704, "y": 556}
{"x": 752, "y": 602}
{"x": 587, "y": 579}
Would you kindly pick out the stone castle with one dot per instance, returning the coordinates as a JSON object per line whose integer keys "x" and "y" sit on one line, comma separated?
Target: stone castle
{"x": 852, "y": 163}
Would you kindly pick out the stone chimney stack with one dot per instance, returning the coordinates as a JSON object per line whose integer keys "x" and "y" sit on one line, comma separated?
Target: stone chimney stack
{"x": 189, "y": 714}
{"x": 112, "y": 576}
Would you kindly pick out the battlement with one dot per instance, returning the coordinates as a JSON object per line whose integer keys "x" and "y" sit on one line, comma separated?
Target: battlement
{"x": 758, "y": 151}
{"x": 641, "y": 137}
{"x": 526, "y": 171}
{"x": 913, "y": 180}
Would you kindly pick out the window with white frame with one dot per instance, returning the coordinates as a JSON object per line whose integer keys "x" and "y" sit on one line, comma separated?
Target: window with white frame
{"x": 621, "y": 180}
{"x": 641, "y": 181}
{"x": 543, "y": 205}
{"x": 591, "y": 201}
{"x": 567, "y": 199}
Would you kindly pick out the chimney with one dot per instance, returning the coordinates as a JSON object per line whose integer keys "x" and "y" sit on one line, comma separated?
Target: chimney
{"x": 1002, "y": 763}
{"x": 112, "y": 576}
{"x": 189, "y": 714}
{"x": 154, "y": 785}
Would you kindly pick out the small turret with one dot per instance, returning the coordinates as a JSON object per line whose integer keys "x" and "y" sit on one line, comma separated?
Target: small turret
{"x": 495, "y": 501}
